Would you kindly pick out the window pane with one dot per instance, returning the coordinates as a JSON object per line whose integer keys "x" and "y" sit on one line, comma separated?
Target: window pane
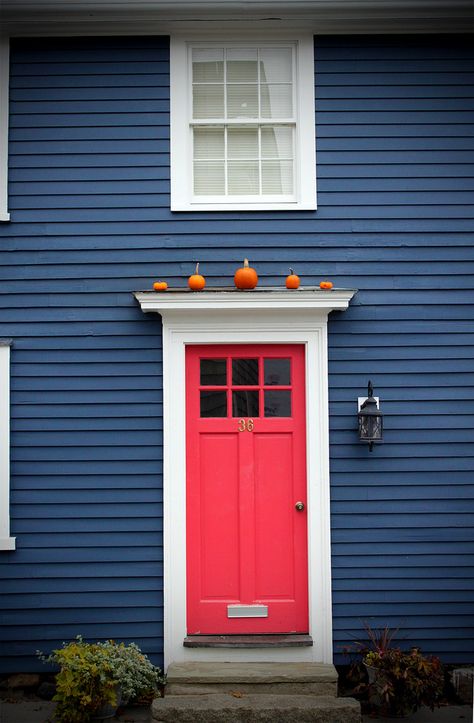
{"x": 213, "y": 404}
{"x": 276, "y": 65}
{"x": 245, "y": 372}
{"x": 278, "y": 404}
{"x": 209, "y": 178}
{"x": 276, "y": 371}
{"x": 242, "y": 143}
{"x": 277, "y": 142}
{"x": 245, "y": 404}
{"x": 213, "y": 372}
{"x": 276, "y": 101}
{"x": 243, "y": 178}
{"x": 277, "y": 177}
{"x": 242, "y": 65}
{"x": 208, "y": 65}
{"x": 242, "y": 101}
{"x": 209, "y": 143}
{"x": 208, "y": 101}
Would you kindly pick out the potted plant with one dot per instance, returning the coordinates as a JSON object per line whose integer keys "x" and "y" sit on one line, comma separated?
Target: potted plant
{"x": 403, "y": 681}
{"x": 94, "y": 678}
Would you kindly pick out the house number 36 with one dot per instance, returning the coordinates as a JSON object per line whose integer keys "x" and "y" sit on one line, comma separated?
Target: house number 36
{"x": 245, "y": 424}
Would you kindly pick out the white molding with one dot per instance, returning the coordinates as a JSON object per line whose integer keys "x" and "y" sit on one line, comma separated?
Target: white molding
{"x": 361, "y": 400}
{"x": 6, "y": 542}
{"x": 182, "y": 198}
{"x": 4, "y": 88}
{"x": 136, "y": 17}
{"x": 232, "y": 317}
{"x": 261, "y": 298}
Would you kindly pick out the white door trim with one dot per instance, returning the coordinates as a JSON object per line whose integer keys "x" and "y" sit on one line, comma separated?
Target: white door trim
{"x": 263, "y": 317}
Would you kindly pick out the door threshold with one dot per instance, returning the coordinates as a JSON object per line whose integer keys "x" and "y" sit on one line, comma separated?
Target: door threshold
{"x": 248, "y": 641}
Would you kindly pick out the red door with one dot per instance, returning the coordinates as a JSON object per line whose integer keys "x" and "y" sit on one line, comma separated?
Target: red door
{"x": 246, "y": 472}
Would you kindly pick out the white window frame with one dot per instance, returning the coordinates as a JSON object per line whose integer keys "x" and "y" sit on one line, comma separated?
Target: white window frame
{"x": 182, "y": 198}
{"x": 6, "y": 542}
{"x": 4, "y": 86}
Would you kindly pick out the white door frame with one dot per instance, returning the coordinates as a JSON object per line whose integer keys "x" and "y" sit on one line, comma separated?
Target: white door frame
{"x": 266, "y": 316}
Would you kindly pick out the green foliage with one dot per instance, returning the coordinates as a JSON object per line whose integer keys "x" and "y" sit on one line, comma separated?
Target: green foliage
{"x": 92, "y": 675}
{"x": 136, "y": 675}
{"x": 405, "y": 680}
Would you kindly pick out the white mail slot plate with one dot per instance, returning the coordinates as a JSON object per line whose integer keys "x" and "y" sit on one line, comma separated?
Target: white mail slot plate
{"x": 247, "y": 611}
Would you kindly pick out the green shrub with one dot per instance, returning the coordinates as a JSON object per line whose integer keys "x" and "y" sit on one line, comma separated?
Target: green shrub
{"x": 93, "y": 675}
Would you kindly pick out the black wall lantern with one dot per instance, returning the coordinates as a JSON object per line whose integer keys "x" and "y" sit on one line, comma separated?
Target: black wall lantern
{"x": 370, "y": 419}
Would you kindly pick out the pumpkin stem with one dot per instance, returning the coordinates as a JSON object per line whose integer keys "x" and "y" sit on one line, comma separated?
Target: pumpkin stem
{"x": 246, "y": 263}
{"x": 291, "y": 271}
{"x": 197, "y": 268}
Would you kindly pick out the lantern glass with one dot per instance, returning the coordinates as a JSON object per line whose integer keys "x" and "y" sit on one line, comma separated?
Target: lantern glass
{"x": 370, "y": 426}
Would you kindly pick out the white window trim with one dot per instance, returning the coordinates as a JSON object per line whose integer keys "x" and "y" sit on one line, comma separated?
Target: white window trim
{"x": 6, "y": 542}
{"x": 4, "y": 87}
{"x": 264, "y": 316}
{"x": 181, "y": 150}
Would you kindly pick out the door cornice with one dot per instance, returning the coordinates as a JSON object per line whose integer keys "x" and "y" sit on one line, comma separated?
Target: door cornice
{"x": 263, "y": 299}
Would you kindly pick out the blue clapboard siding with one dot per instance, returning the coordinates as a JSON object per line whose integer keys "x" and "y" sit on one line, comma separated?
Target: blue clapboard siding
{"x": 89, "y": 200}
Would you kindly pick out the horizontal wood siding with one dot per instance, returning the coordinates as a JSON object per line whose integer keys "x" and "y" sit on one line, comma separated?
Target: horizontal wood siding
{"x": 395, "y": 164}
{"x": 88, "y": 155}
{"x": 89, "y": 201}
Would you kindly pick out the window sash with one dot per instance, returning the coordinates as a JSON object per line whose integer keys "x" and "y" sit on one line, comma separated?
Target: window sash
{"x": 224, "y": 169}
{"x": 226, "y": 163}
{"x": 259, "y": 117}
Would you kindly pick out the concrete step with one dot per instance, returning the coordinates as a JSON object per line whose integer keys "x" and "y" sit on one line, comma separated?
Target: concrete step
{"x": 201, "y": 678}
{"x": 254, "y": 708}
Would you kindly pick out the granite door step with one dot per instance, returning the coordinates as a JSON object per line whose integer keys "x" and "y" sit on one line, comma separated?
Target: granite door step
{"x": 204, "y": 692}
{"x": 254, "y": 708}
{"x": 276, "y": 678}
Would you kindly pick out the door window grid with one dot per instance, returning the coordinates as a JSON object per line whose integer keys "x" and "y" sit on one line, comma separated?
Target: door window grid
{"x": 265, "y": 399}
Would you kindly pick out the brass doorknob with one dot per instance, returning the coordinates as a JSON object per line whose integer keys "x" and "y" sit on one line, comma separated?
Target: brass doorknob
{"x": 299, "y": 506}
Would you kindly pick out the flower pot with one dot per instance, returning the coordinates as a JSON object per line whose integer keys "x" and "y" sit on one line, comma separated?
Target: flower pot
{"x": 108, "y": 710}
{"x": 377, "y": 683}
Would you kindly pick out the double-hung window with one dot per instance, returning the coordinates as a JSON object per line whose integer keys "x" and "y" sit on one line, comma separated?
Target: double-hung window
{"x": 242, "y": 125}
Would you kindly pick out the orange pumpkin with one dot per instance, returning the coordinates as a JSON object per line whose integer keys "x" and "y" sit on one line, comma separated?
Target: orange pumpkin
{"x": 246, "y": 277}
{"x": 326, "y": 285}
{"x": 160, "y": 285}
{"x": 292, "y": 281}
{"x": 196, "y": 282}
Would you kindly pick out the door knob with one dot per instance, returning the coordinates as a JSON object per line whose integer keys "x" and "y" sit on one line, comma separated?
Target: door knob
{"x": 299, "y": 506}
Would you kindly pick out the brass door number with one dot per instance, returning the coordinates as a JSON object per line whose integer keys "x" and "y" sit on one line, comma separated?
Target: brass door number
{"x": 245, "y": 424}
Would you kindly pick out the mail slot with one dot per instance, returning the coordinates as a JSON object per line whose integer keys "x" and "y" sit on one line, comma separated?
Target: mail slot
{"x": 247, "y": 611}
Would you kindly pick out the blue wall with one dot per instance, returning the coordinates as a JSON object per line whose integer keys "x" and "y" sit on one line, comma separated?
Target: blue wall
{"x": 89, "y": 201}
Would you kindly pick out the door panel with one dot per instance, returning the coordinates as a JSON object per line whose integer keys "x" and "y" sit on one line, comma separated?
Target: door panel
{"x": 219, "y": 533}
{"x": 246, "y": 469}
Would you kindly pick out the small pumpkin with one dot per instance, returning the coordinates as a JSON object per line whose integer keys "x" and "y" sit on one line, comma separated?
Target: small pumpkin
{"x": 326, "y": 285}
{"x": 160, "y": 285}
{"x": 196, "y": 281}
{"x": 246, "y": 277}
{"x": 292, "y": 281}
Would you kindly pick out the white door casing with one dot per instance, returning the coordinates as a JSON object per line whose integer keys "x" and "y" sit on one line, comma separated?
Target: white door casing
{"x": 270, "y": 316}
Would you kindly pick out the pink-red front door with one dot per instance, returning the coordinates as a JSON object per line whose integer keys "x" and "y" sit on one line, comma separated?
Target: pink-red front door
{"x": 246, "y": 490}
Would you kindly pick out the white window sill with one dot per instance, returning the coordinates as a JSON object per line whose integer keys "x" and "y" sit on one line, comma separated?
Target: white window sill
{"x": 4, "y": 217}
{"x": 276, "y": 206}
{"x": 7, "y": 543}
